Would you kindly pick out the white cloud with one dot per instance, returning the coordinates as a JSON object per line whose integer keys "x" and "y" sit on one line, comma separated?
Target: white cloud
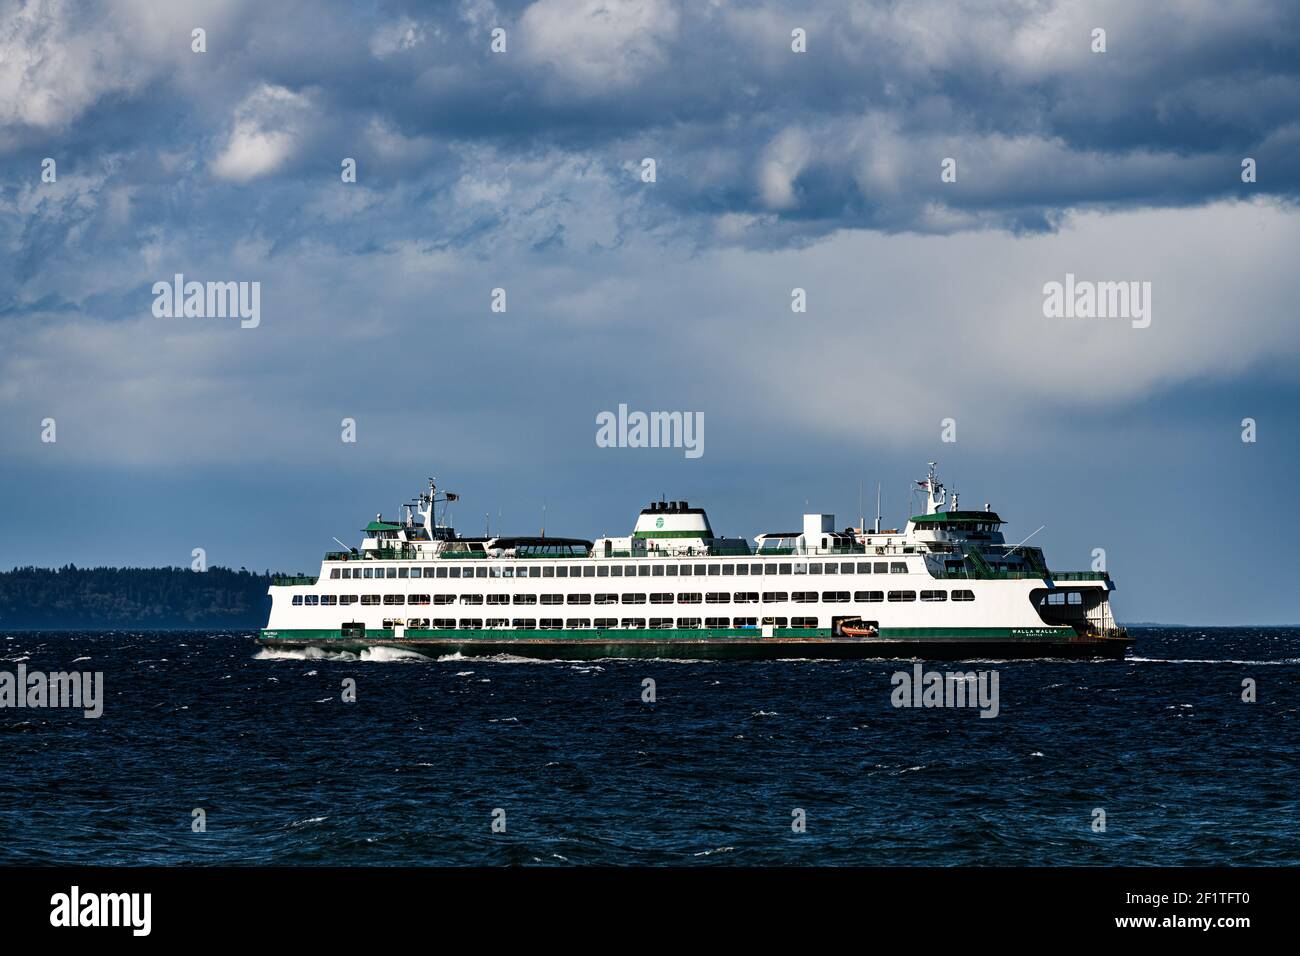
{"x": 50, "y": 73}
{"x": 264, "y": 133}
{"x": 782, "y": 162}
{"x": 394, "y": 37}
{"x": 596, "y": 44}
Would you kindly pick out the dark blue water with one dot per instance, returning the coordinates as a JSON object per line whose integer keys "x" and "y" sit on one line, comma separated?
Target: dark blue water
{"x": 1186, "y": 772}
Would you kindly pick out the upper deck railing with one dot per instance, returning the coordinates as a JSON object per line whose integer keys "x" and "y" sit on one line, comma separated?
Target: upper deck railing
{"x": 973, "y": 574}
{"x": 411, "y": 554}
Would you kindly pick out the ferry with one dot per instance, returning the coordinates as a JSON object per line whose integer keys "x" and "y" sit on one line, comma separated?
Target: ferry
{"x": 947, "y": 586}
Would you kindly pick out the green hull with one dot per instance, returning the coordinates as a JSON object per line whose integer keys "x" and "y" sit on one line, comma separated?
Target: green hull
{"x": 708, "y": 644}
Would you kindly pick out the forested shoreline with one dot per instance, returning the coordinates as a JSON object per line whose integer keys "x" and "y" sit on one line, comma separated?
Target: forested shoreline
{"x": 127, "y": 598}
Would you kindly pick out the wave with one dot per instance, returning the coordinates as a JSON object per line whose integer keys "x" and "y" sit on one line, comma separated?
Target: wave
{"x": 499, "y": 659}
{"x": 1179, "y": 660}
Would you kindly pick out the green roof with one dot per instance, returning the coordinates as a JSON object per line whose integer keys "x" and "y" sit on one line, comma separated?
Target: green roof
{"x": 983, "y": 517}
{"x": 382, "y": 526}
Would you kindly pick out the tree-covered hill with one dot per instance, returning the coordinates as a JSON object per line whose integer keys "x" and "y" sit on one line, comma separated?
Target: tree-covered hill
{"x": 125, "y": 598}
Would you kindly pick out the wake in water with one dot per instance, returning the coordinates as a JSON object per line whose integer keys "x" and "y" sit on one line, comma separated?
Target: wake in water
{"x": 1174, "y": 660}
{"x": 378, "y": 655}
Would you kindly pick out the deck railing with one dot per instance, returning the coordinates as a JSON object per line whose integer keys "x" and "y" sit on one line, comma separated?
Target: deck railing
{"x": 287, "y": 580}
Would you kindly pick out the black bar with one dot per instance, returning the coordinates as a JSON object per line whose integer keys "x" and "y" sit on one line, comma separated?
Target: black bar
{"x": 326, "y": 906}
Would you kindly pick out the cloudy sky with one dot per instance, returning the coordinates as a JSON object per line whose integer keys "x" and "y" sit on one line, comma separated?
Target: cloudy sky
{"x": 774, "y": 170}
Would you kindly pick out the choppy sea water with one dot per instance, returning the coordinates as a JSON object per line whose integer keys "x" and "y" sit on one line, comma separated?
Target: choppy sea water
{"x": 711, "y": 773}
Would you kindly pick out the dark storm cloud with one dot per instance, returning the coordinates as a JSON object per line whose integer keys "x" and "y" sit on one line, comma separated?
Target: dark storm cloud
{"x": 849, "y": 134}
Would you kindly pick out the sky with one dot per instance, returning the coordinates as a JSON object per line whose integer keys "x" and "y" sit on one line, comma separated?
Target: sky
{"x": 922, "y": 171}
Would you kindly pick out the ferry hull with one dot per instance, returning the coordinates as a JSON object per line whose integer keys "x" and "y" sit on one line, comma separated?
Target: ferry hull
{"x": 592, "y": 646}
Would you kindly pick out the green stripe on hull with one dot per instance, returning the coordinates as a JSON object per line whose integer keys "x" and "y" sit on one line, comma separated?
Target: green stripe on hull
{"x": 717, "y": 644}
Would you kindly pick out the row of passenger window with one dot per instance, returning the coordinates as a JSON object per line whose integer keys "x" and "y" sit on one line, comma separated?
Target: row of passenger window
{"x": 660, "y": 597}
{"x": 581, "y": 623}
{"x": 622, "y": 570}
